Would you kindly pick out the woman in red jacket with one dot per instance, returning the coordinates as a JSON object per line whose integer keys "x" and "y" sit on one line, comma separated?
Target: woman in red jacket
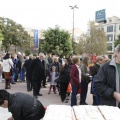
{"x": 75, "y": 75}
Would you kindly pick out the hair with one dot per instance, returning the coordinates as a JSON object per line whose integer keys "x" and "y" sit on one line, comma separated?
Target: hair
{"x": 117, "y": 48}
{"x": 85, "y": 60}
{"x": 31, "y": 56}
{"x": 99, "y": 58}
{"x": 7, "y": 56}
{"x": 75, "y": 60}
{"x": 3, "y": 96}
{"x": 42, "y": 54}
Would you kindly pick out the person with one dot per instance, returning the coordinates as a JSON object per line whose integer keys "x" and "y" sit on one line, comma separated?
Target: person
{"x": 37, "y": 72}
{"x": 7, "y": 66}
{"x": 107, "y": 82}
{"x": 28, "y": 72}
{"x": 53, "y": 77}
{"x": 64, "y": 79}
{"x": 58, "y": 67}
{"x": 75, "y": 79}
{"x": 21, "y": 58}
{"x": 85, "y": 80}
{"x": 22, "y": 106}
{"x": 93, "y": 72}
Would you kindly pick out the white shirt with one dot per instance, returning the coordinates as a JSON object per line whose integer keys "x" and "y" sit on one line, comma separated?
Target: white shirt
{"x": 7, "y": 63}
{"x": 79, "y": 70}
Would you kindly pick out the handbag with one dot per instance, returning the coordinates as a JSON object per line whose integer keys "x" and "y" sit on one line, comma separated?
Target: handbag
{"x": 86, "y": 78}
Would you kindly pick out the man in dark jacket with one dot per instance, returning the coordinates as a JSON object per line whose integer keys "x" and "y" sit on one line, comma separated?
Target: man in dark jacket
{"x": 28, "y": 72}
{"x": 37, "y": 72}
{"x": 94, "y": 71}
{"x": 22, "y": 106}
{"x": 107, "y": 82}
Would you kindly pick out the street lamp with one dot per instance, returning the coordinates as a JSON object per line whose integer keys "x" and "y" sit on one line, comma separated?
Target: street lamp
{"x": 73, "y": 7}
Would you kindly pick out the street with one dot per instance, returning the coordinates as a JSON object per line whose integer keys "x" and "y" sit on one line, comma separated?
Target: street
{"x": 46, "y": 99}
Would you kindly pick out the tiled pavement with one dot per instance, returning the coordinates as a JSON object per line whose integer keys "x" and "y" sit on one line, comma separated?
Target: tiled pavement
{"x": 46, "y": 99}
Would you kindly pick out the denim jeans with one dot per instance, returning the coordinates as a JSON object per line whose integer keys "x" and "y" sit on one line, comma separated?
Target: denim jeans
{"x": 73, "y": 95}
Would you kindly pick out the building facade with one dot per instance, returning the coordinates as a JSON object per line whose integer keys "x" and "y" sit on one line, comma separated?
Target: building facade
{"x": 112, "y": 30}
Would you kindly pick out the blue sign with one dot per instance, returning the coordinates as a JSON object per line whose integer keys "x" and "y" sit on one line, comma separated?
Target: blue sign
{"x": 36, "y": 40}
{"x": 100, "y": 16}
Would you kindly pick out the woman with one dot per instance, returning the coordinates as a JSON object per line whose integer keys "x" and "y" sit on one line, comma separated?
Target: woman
{"x": 75, "y": 75}
{"x": 85, "y": 80}
{"x": 64, "y": 79}
{"x": 7, "y": 66}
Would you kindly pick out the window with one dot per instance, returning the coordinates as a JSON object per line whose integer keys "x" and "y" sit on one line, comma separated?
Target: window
{"x": 110, "y": 37}
{"x": 109, "y": 28}
{"x": 109, "y": 46}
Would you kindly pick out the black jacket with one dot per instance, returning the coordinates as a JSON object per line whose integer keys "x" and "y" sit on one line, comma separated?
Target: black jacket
{"x": 37, "y": 69}
{"x": 105, "y": 84}
{"x": 27, "y": 65}
{"x": 65, "y": 74}
{"x": 25, "y": 107}
{"x": 93, "y": 72}
{"x": 94, "y": 69}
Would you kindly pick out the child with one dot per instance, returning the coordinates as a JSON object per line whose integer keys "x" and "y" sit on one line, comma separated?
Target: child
{"x": 53, "y": 77}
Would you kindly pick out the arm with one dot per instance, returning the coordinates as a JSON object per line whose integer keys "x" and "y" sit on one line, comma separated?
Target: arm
{"x": 116, "y": 96}
{"x": 72, "y": 72}
{"x": 102, "y": 83}
{"x": 16, "y": 113}
{"x": 10, "y": 62}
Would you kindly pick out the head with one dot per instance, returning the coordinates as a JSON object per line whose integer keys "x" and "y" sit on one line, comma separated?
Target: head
{"x": 76, "y": 60}
{"x": 31, "y": 56}
{"x": 41, "y": 56}
{"x": 7, "y": 56}
{"x": 86, "y": 60}
{"x": 99, "y": 59}
{"x": 55, "y": 60}
{"x": 117, "y": 54}
{"x": 53, "y": 69}
{"x": 66, "y": 60}
{"x": 4, "y": 98}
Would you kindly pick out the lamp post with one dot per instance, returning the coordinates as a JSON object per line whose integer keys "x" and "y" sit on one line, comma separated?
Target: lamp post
{"x": 73, "y": 7}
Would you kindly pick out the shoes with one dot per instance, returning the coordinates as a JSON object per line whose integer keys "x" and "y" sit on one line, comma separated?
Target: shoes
{"x": 66, "y": 101}
{"x": 13, "y": 83}
{"x": 55, "y": 93}
{"x": 83, "y": 103}
{"x": 39, "y": 94}
{"x": 49, "y": 93}
{"x": 44, "y": 86}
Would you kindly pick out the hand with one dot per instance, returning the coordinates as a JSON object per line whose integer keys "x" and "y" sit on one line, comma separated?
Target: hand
{"x": 117, "y": 96}
{"x": 11, "y": 118}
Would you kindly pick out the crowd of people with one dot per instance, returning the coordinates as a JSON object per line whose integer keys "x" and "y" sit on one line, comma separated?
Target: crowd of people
{"x": 61, "y": 72}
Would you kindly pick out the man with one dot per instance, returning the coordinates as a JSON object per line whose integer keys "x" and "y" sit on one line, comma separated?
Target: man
{"x": 37, "y": 72}
{"x": 28, "y": 72}
{"x": 107, "y": 82}
{"x": 94, "y": 71}
{"x": 22, "y": 106}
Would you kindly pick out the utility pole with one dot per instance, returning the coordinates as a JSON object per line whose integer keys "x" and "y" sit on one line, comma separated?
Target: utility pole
{"x": 73, "y": 7}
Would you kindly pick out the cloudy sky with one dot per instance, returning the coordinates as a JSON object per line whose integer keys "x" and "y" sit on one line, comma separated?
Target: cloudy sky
{"x": 48, "y": 13}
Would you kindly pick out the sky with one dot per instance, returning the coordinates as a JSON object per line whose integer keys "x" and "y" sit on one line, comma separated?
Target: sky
{"x": 43, "y": 14}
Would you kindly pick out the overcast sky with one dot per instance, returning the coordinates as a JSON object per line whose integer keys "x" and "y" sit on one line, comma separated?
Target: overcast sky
{"x": 48, "y": 13}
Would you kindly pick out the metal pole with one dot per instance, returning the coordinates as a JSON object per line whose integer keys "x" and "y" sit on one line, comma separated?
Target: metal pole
{"x": 73, "y": 33}
{"x": 73, "y": 7}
